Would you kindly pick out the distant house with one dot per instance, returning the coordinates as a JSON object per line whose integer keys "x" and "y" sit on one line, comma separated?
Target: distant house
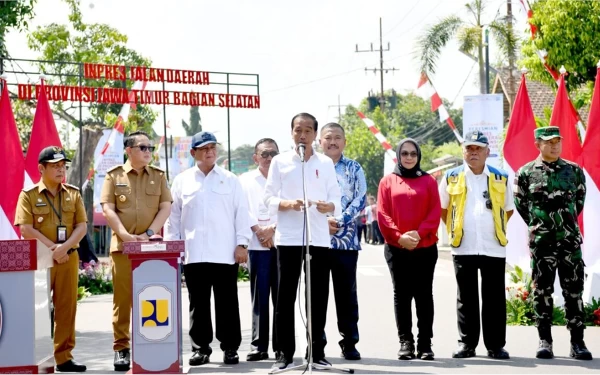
{"x": 541, "y": 95}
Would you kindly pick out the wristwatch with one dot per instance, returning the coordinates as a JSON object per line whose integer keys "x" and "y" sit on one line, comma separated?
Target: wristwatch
{"x": 244, "y": 246}
{"x": 150, "y": 232}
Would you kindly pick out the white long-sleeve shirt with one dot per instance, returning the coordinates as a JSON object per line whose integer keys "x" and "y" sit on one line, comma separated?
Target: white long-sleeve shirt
{"x": 284, "y": 182}
{"x": 209, "y": 212}
{"x": 253, "y": 183}
{"x": 479, "y": 236}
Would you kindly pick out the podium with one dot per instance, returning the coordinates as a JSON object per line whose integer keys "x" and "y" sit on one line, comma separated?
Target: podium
{"x": 156, "y": 339}
{"x": 26, "y": 345}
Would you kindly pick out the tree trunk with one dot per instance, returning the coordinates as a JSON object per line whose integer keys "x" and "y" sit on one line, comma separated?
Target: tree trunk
{"x": 91, "y": 137}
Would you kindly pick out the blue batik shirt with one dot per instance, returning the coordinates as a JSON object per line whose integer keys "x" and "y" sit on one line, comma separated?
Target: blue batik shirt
{"x": 353, "y": 184}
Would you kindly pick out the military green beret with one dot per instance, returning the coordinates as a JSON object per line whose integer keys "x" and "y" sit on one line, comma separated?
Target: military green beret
{"x": 547, "y": 133}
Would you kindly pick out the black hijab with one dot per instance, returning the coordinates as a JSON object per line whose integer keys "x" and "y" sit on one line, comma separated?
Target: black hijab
{"x": 415, "y": 171}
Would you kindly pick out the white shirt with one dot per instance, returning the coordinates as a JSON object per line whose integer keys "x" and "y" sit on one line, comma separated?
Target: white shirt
{"x": 479, "y": 233}
{"x": 253, "y": 183}
{"x": 210, "y": 213}
{"x": 369, "y": 212}
{"x": 284, "y": 182}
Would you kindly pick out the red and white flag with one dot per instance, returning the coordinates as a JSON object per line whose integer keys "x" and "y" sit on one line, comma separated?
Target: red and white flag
{"x": 389, "y": 150}
{"x": 590, "y": 160}
{"x": 426, "y": 91}
{"x": 43, "y": 134}
{"x": 12, "y": 172}
{"x": 115, "y": 139}
{"x": 564, "y": 116}
{"x": 389, "y": 160}
{"x": 518, "y": 150}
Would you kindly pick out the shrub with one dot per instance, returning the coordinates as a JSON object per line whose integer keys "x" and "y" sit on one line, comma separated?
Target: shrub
{"x": 96, "y": 278}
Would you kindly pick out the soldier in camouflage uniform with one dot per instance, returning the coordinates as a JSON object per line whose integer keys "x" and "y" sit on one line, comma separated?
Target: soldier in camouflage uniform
{"x": 549, "y": 196}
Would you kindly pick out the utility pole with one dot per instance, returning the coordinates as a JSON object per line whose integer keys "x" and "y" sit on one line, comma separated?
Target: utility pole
{"x": 339, "y": 107}
{"x": 380, "y": 70}
{"x": 511, "y": 58}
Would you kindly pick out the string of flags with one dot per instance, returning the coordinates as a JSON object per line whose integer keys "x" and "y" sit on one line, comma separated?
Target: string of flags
{"x": 426, "y": 90}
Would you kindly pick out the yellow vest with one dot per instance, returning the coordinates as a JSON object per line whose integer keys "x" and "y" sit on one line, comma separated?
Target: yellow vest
{"x": 457, "y": 191}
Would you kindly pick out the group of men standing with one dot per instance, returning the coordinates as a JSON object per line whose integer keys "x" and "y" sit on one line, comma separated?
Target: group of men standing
{"x": 258, "y": 218}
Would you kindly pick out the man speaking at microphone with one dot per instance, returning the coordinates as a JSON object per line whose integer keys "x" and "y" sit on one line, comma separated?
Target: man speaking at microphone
{"x": 284, "y": 195}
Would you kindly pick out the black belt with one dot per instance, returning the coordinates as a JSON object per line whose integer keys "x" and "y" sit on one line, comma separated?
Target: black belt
{"x": 70, "y": 251}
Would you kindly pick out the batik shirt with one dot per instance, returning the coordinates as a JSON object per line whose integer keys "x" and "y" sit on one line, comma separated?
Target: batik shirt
{"x": 352, "y": 182}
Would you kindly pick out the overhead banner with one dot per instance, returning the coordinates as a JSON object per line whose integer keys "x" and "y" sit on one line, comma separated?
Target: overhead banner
{"x": 112, "y": 157}
{"x": 486, "y": 114}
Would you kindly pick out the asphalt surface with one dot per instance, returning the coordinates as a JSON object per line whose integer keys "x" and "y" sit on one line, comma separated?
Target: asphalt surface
{"x": 378, "y": 336}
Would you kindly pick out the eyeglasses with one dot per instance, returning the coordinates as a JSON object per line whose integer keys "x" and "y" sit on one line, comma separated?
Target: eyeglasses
{"x": 488, "y": 202}
{"x": 144, "y": 148}
{"x": 406, "y": 154}
{"x": 266, "y": 154}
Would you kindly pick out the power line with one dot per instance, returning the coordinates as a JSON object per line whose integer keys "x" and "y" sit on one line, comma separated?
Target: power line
{"x": 403, "y": 18}
{"x": 381, "y": 70}
{"x": 312, "y": 81}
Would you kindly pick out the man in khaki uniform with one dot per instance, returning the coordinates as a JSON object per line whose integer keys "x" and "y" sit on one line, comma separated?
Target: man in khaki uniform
{"x": 53, "y": 213}
{"x": 136, "y": 203}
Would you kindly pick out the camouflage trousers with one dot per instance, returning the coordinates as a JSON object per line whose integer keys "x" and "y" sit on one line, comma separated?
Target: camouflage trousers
{"x": 545, "y": 261}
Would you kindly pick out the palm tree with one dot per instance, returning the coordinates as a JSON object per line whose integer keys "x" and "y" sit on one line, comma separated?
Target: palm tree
{"x": 469, "y": 35}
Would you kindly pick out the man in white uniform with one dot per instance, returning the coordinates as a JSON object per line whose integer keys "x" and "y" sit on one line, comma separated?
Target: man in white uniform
{"x": 284, "y": 194}
{"x": 210, "y": 212}
{"x": 262, "y": 254}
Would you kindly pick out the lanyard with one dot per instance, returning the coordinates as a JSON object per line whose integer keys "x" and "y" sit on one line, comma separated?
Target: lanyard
{"x": 59, "y": 205}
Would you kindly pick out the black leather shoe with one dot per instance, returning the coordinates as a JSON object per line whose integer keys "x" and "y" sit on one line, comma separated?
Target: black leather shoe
{"x": 407, "y": 350}
{"x": 350, "y": 353}
{"x": 580, "y": 351}
{"x": 256, "y": 355}
{"x": 425, "y": 353}
{"x": 463, "y": 351}
{"x": 322, "y": 362}
{"x": 230, "y": 357}
{"x": 122, "y": 360}
{"x": 544, "y": 350}
{"x": 498, "y": 354}
{"x": 282, "y": 362}
{"x": 71, "y": 366}
{"x": 199, "y": 358}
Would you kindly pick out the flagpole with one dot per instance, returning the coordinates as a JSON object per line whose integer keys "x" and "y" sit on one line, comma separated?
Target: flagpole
{"x": 165, "y": 135}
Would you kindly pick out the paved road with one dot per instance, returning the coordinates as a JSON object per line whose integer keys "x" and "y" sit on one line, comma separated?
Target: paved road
{"x": 379, "y": 342}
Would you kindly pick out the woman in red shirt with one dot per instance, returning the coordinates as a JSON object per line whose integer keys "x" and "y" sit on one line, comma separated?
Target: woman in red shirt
{"x": 409, "y": 213}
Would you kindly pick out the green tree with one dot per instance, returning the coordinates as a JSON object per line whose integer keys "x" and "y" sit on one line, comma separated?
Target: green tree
{"x": 570, "y": 32}
{"x": 412, "y": 117}
{"x": 195, "y": 125}
{"x": 468, "y": 33}
{"x": 14, "y": 15}
{"x": 79, "y": 42}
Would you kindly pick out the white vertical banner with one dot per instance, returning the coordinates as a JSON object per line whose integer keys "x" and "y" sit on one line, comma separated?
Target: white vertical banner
{"x": 113, "y": 156}
{"x": 486, "y": 114}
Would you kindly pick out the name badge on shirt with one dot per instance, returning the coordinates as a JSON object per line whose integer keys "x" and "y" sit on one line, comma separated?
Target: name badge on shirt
{"x": 61, "y": 234}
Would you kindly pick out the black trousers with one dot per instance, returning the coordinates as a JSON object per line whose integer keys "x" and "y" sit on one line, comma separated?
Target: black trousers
{"x": 200, "y": 279}
{"x": 289, "y": 267}
{"x": 343, "y": 275}
{"x": 262, "y": 265}
{"x": 412, "y": 276}
{"x": 377, "y": 236}
{"x": 493, "y": 299}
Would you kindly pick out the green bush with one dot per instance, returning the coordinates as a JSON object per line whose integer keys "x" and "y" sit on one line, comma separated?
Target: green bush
{"x": 519, "y": 303}
{"x": 243, "y": 274}
{"x": 96, "y": 278}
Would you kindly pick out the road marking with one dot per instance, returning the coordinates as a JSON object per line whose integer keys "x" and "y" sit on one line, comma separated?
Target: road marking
{"x": 368, "y": 271}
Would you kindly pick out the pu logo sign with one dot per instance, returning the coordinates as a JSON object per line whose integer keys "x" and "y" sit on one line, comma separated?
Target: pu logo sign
{"x": 155, "y": 313}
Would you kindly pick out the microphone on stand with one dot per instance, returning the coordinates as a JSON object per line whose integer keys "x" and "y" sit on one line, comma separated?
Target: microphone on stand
{"x": 301, "y": 150}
